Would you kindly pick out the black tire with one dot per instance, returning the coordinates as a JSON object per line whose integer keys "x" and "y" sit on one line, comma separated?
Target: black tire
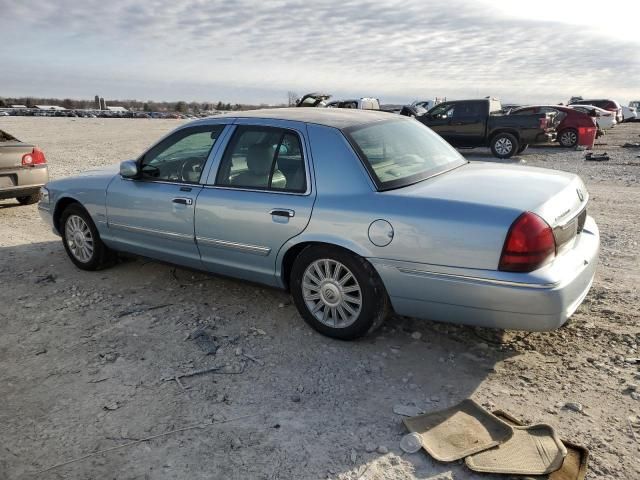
{"x": 101, "y": 255}
{"x": 374, "y": 307}
{"x": 568, "y": 138}
{"x": 29, "y": 199}
{"x": 523, "y": 148}
{"x": 504, "y": 145}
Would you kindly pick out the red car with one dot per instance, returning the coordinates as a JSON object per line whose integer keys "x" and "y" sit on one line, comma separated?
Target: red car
{"x": 574, "y": 128}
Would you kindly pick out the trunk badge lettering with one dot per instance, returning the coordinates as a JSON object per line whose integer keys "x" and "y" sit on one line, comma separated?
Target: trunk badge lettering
{"x": 563, "y": 214}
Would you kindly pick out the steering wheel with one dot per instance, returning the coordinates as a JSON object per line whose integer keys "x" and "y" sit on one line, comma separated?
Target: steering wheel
{"x": 191, "y": 170}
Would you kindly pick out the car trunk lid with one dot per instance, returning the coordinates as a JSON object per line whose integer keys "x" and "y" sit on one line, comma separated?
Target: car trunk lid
{"x": 11, "y": 151}
{"x": 557, "y": 197}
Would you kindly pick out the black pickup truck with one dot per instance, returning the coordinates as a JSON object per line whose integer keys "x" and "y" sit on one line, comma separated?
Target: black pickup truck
{"x": 480, "y": 123}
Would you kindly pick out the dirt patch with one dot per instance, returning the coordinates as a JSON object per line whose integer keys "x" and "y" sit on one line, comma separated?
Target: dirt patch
{"x": 84, "y": 356}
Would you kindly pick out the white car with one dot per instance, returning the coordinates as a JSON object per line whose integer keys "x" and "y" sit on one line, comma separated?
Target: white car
{"x": 604, "y": 118}
{"x": 630, "y": 114}
{"x": 364, "y": 103}
{"x": 4, "y": 114}
{"x": 426, "y": 104}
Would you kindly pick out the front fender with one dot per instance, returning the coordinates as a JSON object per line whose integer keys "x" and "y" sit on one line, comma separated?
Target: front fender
{"x": 90, "y": 192}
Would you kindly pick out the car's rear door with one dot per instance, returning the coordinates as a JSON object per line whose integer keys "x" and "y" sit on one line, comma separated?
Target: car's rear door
{"x": 154, "y": 214}
{"x": 259, "y": 194}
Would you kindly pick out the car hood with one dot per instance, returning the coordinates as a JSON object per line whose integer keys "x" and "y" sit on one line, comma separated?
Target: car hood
{"x": 96, "y": 177}
{"x": 109, "y": 170}
{"x": 554, "y": 195}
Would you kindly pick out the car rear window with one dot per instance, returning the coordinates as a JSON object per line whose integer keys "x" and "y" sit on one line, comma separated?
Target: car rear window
{"x": 398, "y": 152}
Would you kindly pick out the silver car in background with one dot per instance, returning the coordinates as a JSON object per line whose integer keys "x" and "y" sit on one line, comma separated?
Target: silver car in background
{"x": 357, "y": 213}
{"x": 23, "y": 170}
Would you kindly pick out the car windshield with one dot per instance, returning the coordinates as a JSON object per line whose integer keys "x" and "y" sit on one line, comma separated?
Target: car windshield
{"x": 398, "y": 153}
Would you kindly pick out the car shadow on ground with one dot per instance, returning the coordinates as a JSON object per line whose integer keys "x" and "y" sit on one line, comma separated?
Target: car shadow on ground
{"x": 88, "y": 362}
{"x": 9, "y": 204}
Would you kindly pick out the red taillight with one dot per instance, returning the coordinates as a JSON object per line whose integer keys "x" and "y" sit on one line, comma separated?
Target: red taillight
{"x": 543, "y": 123}
{"x": 529, "y": 244}
{"x": 36, "y": 157}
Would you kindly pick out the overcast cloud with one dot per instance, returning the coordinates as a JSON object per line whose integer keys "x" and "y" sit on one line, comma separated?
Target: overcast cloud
{"x": 252, "y": 51}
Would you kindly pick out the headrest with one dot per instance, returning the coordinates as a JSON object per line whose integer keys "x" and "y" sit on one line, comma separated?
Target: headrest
{"x": 259, "y": 158}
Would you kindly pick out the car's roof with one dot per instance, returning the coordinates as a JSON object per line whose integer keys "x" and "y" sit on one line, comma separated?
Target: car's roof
{"x": 535, "y": 105}
{"x": 331, "y": 117}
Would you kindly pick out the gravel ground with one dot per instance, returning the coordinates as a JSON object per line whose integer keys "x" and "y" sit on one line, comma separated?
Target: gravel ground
{"x": 83, "y": 355}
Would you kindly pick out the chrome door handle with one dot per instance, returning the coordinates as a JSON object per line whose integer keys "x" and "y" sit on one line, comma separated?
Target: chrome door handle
{"x": 282, "y": 212}
{"x": 183, "y": 201}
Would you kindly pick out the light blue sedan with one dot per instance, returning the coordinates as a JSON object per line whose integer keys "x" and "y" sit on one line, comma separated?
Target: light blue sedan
{"x": 356, "y": 213}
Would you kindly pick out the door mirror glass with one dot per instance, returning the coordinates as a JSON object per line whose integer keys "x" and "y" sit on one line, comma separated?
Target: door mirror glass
{"x": 129, "y": 169}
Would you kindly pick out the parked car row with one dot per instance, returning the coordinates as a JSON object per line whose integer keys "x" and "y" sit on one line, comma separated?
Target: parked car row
{"x": 481, "y": 123}
{"x": 93, "y": 113}
{"x": 487, "y": 123}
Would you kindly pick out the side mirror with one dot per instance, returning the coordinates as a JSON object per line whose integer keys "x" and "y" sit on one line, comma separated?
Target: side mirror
{"x": 129, "y": 169}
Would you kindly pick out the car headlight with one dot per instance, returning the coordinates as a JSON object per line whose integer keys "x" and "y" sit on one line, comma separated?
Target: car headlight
{"x": 44, "y": 195}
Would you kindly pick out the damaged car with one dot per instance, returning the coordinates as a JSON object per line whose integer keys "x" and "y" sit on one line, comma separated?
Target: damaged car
{"x": 355, "y": 213}
{"x": 575, "y": 128}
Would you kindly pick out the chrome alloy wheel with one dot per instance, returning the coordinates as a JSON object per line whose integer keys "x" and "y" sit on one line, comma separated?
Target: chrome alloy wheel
{"x": 79, "y": 238}
{"x": 331, "y": 293}
{"x": 504, "y": 146}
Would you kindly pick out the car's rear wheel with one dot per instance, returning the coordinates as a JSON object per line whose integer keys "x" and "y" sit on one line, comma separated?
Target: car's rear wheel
{"x": 29, "y": 199}
{"x": 337, "y": 293}
{"x": 568, "y": 138}
{"x": 81, "y": 240}
{"x": 504, "y": 145}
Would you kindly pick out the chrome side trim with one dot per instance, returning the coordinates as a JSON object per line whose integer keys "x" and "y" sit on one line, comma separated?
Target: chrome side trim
{"x": 151, "y": 231}
{"x": 241, "y": 247}
{"x": 467, "y": 278}
{"x": 259, "y": 190}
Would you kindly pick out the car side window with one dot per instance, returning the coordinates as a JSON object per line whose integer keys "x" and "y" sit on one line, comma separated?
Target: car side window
{"x": 181, "y": 157}
{"x": 466, "y": 110}
{"x": 263, "y": 158}
{"x": 443, "y": 111}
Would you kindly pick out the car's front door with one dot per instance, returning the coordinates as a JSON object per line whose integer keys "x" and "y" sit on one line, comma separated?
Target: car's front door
{"x": 259, "y": 195}
{"x": 153, "y": 215}
{"x": 439, "y": 118}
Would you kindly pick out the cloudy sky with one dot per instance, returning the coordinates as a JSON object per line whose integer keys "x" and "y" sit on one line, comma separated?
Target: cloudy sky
{"x": 256, "y": 51}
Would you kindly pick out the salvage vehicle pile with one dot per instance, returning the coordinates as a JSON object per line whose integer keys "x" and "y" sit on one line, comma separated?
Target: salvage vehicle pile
{"x": 147, "y": 368}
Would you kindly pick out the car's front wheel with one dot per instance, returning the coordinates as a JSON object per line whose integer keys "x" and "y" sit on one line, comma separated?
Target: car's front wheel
{"x": 337, "y": 293}
{"x": 504, "y": 145}
{"x": 82, "y": 241}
